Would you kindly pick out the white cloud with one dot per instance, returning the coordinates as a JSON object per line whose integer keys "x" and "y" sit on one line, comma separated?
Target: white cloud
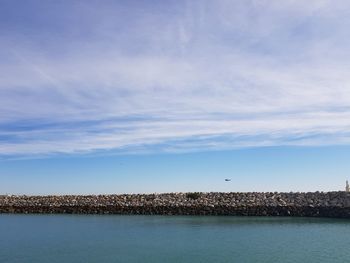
{"x": 251, "y": 74}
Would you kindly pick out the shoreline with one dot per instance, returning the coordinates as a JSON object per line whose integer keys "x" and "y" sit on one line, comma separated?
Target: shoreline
{"x": 311, "y": 204}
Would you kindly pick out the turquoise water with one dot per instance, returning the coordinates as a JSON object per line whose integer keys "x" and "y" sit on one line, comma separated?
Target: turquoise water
{"x": 79, "y": 238}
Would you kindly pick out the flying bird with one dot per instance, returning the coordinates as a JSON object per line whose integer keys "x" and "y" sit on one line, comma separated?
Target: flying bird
{"x": 227, "y": 180}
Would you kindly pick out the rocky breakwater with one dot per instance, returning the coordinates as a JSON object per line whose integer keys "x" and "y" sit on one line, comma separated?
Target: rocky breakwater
{"x": 315, "y": 204}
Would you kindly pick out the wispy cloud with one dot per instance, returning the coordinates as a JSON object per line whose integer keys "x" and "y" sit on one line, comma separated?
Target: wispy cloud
{"x": 128, "y": 77}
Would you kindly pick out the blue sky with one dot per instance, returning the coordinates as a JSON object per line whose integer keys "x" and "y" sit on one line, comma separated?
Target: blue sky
{"x": 166, "y": 86}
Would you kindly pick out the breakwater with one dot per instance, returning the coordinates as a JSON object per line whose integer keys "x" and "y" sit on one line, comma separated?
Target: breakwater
{"x": 314, "y": 204}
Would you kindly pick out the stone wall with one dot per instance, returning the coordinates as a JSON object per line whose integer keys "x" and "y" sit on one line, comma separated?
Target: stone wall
{"x": 320, "y": 204}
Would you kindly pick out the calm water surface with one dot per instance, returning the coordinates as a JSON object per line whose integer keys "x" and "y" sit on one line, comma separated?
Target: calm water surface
{"x": 79, "y": 238}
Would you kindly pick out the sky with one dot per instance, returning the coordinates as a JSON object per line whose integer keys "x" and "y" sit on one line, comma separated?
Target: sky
{"x": 163, "y": 96}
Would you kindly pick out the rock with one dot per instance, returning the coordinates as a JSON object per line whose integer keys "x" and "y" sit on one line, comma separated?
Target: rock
{"x": 331, "y": 204}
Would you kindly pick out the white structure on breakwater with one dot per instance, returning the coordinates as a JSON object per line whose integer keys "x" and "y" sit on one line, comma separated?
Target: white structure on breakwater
{"x": 347, "y": 188}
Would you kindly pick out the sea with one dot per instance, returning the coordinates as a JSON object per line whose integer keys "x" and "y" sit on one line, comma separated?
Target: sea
{"x": 167, "y": 239}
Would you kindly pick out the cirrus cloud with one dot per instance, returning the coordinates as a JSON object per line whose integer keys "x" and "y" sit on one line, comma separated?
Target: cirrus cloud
{"x": 127, "y": 77}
